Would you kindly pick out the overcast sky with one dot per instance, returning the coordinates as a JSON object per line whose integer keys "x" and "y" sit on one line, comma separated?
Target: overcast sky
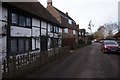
{"x": 82, "y": 11}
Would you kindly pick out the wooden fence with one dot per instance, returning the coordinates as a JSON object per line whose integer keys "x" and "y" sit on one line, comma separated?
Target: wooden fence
{"x": 19, "y": 66}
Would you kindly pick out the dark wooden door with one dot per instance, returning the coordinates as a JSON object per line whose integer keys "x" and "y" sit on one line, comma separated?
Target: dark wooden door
{"x": 43, "y": 44}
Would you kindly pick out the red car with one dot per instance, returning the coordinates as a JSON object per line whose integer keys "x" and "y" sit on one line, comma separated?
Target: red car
{"x": 110, "y": 46}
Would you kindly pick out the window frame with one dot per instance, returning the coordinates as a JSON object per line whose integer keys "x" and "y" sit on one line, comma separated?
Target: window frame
{"x": 70, "y": 21}
{"x": 22, "y": 21}
{"x": 24, "y": 44}
{"x": 25, "y": 21}
{"x": 30, "y": 24}
{"x": 14, "y": 24}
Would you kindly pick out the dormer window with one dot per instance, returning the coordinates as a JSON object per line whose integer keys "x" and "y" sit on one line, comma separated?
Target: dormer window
{"x": 69, "y": 21}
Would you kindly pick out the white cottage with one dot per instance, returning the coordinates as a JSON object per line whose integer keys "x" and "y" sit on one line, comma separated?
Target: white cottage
{"x": 27, "y": 27}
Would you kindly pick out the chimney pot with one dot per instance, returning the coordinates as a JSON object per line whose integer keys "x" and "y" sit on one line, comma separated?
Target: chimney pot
{"x": 49, "y": 2}
{"x": 67, "y": 13}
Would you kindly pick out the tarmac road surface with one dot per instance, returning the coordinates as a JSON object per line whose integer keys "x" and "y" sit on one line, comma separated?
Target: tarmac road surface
{"x": 87, "y": 62}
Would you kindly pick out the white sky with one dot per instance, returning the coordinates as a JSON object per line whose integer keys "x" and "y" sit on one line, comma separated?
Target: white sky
{"x": 82, "y": 11}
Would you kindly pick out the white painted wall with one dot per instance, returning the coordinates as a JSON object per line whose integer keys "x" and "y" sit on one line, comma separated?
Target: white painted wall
{"x": 56, "y": 35}
{"x": 43, "y": 24}
{"x": 0, "y": 19}
{"x": 0, "y": 41}
{"x": 35, "y": 22}
{"x": 38, "y": 43}
{"x": 49, "y": 25}
{"x": 43, "y": 32}
{"x": 33, "y": 44}
{"x": 50, "y": 34}
{"x": 19, "y": 31}
{"x": 4, "y": 14}
{"x": 35, "y": 31}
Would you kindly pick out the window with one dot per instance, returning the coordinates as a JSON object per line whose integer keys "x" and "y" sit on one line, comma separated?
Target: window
{"x": 69, "y": 21}
{"x": 43, "y": 24}
{"x": 74, "y": 32}
{"x": 57, "y": 29}
{"x": 51, "y": 29}
{"x": 20, "y": 45}
{"x": 28, "y": 22}
{"x": 66, "y": 30}
{"x": 13, "y": 45}
{"x": 14, "y": 19}
{"x": 27, "y": 44}
{"x": 60, "y": 30}
{"x": 21, "y": 21}
{"x": 43, "y": 32}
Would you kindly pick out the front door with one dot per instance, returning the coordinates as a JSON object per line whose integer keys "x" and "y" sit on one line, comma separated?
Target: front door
{"x": 43, "y": 44}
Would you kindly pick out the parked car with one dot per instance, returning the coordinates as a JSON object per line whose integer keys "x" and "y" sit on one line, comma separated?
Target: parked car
{"x": 109, "y": 46}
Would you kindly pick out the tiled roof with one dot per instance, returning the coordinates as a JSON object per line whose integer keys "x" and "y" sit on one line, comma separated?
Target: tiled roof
{"x": 64, "y": 14}
{"x": 35, "y": 8}
{"x": 64, "y": 21}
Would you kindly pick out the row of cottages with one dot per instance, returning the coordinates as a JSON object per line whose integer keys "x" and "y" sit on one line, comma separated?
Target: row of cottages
{"x": 82, "y": 36}
{"x": 70, "y": 30}
{"x": 28, "y": 27}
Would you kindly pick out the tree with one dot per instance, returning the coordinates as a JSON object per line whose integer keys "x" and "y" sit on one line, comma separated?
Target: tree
{"x": 111, "y": 29}
{"x": 95, "y": 34}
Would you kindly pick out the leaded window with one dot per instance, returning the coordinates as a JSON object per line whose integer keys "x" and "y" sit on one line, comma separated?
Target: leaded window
{"x": 14, "y": 19}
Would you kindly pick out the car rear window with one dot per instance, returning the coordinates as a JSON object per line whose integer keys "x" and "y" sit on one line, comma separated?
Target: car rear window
{"x": 110, "y": 42}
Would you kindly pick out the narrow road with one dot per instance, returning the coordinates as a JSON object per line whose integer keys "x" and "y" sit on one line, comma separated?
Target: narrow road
{"x": 87, "y": 62}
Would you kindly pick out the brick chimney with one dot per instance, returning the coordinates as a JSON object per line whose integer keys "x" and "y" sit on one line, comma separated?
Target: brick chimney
{"x": 49, "y": 2}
